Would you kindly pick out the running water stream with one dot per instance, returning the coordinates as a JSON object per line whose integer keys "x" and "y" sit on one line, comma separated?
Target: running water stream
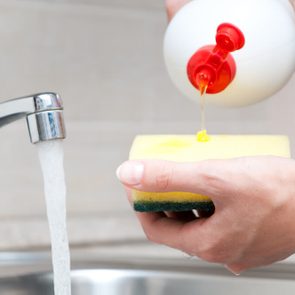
{"x": 51, "y": 159}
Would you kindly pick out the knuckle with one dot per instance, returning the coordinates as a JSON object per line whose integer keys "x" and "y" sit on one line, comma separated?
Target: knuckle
{"x": 215, "y": 256}
{"x": 214, "y": 251}
{"x": 150, "y": 237}
{"x": 208, "y": 256}
{"x": 164, "y": 177}
{"x": 208, "y": 253}
{"x": 149, "y": 234}
{"x": 216, "y": 183}
{"x": 154, "y": 238}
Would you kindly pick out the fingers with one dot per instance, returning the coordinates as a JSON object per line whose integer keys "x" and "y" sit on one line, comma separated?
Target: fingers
{"x": 172, "y": 6}
{"x": 165, "y": 227}
{"x": 236, "y": 235}
{"x": 172, "y": 232}
{"x": 160, "y": 229}
{"x": 209, "y": 178}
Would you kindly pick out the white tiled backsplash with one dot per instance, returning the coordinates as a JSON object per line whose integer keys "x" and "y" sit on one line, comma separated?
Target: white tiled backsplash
{"x": 105, "y": 60}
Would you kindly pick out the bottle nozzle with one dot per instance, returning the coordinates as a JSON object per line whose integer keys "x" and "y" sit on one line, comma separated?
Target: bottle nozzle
{"x": 204, "y": 78}
{"x": 212, "y": 68}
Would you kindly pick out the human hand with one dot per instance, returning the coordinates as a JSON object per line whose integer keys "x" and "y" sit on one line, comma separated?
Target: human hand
{"x": 253, "y": 222}
{"x": 172, "y": 6}
{"x": 254, "y": 198}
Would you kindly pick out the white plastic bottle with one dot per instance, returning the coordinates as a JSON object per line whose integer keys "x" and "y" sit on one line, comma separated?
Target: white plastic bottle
{"x": 252, "y": 57}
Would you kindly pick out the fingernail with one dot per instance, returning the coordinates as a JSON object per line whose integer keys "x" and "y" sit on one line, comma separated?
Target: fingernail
{"x": 130, "y": 173}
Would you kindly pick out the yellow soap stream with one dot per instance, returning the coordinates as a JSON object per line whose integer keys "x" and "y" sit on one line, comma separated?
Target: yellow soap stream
{"x": 202, "y": 135}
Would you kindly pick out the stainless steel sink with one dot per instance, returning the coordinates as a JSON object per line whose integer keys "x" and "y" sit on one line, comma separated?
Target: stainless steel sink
{"x": 30, "y": 275}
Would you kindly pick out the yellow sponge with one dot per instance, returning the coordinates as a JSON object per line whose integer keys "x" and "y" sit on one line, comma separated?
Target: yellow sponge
{"x": 186, "y": 148}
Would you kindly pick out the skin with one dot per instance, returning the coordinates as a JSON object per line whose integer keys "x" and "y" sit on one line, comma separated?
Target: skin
{"x": 254, "y": 197}
{"x": 172, "y": 6}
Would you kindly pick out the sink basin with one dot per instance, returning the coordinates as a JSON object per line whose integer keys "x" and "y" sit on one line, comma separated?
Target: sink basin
{"x": 97, "y": 276}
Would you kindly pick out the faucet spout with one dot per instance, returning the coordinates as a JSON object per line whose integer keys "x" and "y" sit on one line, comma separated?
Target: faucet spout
{"x": 43, "y": 112}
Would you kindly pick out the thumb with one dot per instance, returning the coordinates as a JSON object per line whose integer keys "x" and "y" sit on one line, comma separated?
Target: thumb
{"x": 208, "y": 178}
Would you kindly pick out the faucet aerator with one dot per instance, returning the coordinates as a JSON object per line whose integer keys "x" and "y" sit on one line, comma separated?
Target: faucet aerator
{"x": 46, "y": 125}
{"x": 44, "y": 114}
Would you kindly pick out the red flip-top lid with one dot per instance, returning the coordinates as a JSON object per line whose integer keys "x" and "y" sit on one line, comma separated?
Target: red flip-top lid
{"x": 212, "y": 68}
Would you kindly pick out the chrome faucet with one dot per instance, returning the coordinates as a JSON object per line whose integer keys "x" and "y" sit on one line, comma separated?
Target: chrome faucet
{"x": 44, "y": 114}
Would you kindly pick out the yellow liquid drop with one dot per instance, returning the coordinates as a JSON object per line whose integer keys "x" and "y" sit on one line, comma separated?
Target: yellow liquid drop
{"x": 202, "y": 136}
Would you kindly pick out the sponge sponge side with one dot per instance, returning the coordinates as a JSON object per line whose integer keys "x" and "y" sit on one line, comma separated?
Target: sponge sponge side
{"x": 185, "y": 148}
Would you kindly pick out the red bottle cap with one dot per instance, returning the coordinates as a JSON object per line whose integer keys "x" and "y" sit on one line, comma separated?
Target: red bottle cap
{"x": 212, "y": 68}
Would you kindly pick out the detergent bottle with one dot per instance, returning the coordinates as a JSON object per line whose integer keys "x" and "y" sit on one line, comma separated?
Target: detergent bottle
{"x": 238, "y": 52}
